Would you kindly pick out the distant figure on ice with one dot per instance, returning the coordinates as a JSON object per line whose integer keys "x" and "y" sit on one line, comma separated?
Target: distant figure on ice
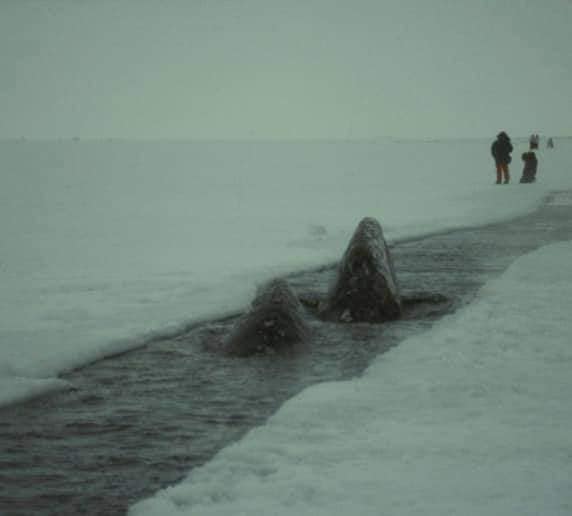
{"x": 530, "y": 167}
{"x": 533, "y": 141}
{"x": 501, "y": 149}
{"x": 550, "y": 143}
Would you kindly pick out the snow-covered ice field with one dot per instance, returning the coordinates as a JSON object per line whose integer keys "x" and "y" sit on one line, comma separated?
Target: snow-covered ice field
{"x": 105, "y": 244}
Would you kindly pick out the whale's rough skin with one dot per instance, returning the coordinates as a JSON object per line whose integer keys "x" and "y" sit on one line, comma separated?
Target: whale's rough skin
{"x": 365, "y": 289}
{"x": 274, "y": 323}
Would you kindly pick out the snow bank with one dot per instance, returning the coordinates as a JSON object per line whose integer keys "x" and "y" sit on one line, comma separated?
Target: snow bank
{"x": 107, "y": 244}
{"x": 470, "y": 418}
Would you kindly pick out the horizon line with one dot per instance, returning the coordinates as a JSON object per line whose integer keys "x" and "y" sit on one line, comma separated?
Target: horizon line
{"x": 377, "y": 139}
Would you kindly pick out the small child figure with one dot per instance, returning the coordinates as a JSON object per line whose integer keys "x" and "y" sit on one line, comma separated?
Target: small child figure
{"x": 533, "y": 141}
{"x": 530, "y": 167}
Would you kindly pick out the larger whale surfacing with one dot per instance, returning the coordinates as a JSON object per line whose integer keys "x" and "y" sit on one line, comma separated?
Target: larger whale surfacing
{"x": 365, "y": 289}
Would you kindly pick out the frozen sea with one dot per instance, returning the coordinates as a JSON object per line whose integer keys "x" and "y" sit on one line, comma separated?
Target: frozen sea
{"x": 108, "y": 244}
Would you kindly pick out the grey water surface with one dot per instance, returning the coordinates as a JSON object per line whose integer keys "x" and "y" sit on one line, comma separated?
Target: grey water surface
{"x": 138, "y": 422}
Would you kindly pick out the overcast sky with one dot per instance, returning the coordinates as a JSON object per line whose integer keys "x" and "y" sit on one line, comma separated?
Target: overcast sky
{"x": 284, "y": 69}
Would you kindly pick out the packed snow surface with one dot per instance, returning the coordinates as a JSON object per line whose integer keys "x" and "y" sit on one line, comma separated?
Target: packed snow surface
{"x": 470, "y": 418}
{"x": 107, "y": 244}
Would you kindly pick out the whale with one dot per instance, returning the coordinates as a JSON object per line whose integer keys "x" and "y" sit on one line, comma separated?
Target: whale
{"x": 365, "y": 288}
{"x": 273, "y": 324}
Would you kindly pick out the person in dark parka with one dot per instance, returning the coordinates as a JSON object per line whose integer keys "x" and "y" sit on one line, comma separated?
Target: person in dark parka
{"x": 530, "y": 167}
{"x": 501, "y": 149}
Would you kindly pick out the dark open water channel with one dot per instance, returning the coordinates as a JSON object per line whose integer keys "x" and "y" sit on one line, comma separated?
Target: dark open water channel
{"x": 137, "y": 422}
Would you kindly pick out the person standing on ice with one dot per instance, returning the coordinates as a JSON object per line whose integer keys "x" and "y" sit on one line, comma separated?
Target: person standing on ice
{"x": 501, "y": 149}
{"x": 533, "y": 141}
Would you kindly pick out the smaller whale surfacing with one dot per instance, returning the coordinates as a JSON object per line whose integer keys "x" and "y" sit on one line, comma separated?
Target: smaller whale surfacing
{"x": 273, "y": 324}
